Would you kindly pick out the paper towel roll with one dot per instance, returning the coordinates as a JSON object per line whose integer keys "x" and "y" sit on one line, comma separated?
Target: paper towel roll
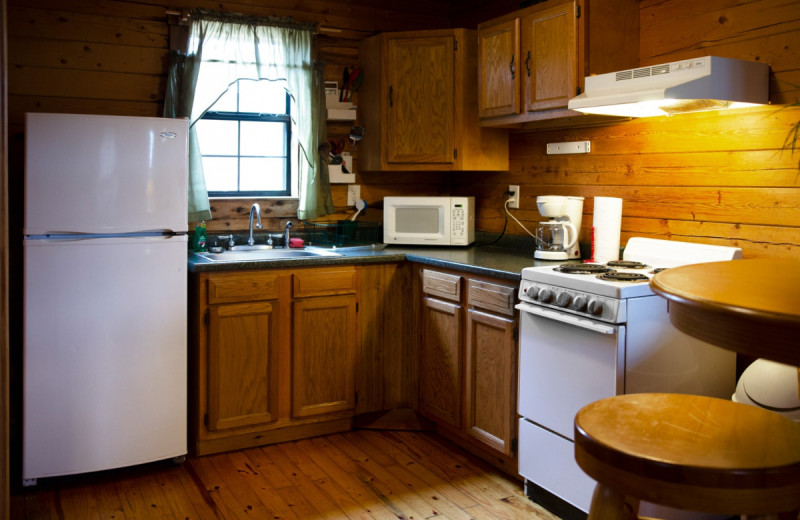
{"x": 607, "y": 222}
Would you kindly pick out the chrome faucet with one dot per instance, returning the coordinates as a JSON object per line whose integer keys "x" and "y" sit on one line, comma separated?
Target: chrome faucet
{"x": 286, "y": 235}
{"x": 255, "y": 208}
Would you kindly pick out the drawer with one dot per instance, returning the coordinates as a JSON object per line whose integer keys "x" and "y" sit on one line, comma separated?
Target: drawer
{"x": 443, "y": 285}
{"x": 243, "y": 287}
{"x": 491, "y": 297}
{"x": 324, "y": 282}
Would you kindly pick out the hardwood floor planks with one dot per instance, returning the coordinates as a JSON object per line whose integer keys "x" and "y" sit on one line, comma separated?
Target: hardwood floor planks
{"x": 358, "y": 475}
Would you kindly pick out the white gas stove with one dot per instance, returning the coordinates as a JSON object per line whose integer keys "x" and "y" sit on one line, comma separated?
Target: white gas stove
{"x": 590, "y": 331}
{"x": 594, "y": 290}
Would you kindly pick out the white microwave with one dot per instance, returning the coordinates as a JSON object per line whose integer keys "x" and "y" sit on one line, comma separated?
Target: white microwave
{"x": 438, "y": 221}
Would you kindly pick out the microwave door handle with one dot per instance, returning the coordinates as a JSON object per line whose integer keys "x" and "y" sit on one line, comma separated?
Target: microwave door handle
{"x": 569, "y": 319}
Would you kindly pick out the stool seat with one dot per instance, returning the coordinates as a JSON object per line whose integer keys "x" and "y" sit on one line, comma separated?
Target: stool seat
{"x": 689, "y": 452}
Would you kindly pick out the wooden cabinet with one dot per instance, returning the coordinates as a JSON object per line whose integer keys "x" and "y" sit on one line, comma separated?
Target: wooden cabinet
{"x": 272, "y": 357}
{"x": 418, "y": 104}
{"x": 468, "y": 361}
{"x": 532, "y": 61}
{"x": 242, "y": 364}
{"x": 491, "y": 365}
{"x": 441, "y": 361}
{"x": 324, "y": 342}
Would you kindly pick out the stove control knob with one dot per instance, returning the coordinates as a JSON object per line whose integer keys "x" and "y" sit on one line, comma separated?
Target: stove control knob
{"x": 595, "y": 307}
{"x": 579, "y": 303}
{"x": 563, "y": 299}
{"x": 544, "y": 295}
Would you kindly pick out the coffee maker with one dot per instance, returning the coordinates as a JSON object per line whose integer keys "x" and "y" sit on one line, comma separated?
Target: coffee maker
{"x": 557, "y": 238}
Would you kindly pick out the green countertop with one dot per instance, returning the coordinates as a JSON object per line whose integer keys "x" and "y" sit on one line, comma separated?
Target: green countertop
{"x": 505, "y": 260}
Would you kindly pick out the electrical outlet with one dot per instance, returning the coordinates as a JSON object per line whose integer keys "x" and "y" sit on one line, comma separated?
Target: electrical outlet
{"x": 353, "y": 194}
{"x": 514, "y": 204}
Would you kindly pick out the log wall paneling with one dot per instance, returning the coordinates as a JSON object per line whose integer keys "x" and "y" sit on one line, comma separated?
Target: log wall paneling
{"x": 718, "y": 177}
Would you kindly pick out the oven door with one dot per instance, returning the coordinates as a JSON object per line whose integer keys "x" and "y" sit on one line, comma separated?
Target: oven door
{"x": 566, "y": 362}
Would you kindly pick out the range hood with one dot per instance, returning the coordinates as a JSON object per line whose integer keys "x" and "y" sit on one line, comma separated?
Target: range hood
{"x": 698, "y": 84}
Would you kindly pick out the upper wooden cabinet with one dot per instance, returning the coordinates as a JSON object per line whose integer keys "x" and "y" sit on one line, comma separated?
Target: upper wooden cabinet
{"x": 532, "y": 61}
{"x": 418, "y": 105}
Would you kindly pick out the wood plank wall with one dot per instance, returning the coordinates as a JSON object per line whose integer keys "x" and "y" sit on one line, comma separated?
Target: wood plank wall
{"x": 719, "y": 177}
{"x": 711, "y": 178}
{"x": 110, "y": 57}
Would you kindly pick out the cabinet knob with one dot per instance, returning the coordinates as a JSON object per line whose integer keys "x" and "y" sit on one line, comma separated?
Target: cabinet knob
{"x": 513, "y": 68}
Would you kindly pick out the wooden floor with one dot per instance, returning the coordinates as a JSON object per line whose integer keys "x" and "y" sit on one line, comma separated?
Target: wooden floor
{"x": 362, "y": 474}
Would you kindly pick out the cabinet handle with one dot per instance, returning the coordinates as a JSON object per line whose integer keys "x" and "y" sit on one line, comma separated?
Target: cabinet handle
{"x": 528, "y": 63}
{"x": 391, "y": 97}
{"x": 513, "y": 68}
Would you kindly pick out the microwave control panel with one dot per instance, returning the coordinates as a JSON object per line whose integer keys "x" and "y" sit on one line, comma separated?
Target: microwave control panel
{"x": 461, "y": 217}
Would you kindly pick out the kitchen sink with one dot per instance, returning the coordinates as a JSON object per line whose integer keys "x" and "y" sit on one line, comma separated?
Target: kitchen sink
{"x": 261, "y": 253}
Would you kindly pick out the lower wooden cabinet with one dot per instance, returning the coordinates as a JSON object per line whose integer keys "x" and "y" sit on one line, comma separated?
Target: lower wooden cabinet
{"x": 243, "y": 351}
{"x": 468, "y": 361}
{"x": 323, "y": 355}
{"x": 272, "y": 357}
{"x": 441, "y": 365}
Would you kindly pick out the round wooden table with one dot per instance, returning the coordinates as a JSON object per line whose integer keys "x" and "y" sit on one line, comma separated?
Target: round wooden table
{"x": 749, "y": 306}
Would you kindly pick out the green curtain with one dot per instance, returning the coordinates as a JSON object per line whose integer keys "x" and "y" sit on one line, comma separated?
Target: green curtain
{"x": 315, "y": 188}
{"x": 181, "y": 81}
{"x": 224, "y": 48}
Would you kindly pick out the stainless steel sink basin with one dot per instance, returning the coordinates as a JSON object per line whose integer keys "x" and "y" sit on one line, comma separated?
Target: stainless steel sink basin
{"x": 261, "y": 253}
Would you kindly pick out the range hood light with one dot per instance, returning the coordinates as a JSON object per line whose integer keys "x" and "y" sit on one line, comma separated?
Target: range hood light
{"x": 700, "y": 84}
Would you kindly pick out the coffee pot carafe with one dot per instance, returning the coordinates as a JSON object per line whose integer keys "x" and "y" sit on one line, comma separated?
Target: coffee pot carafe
{"x": 557, "y": 238}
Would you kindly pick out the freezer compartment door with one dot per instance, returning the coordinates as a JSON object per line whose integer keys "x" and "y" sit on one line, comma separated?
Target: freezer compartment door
{"x": 105, "y": 174}
{"x": 104, "y": 356}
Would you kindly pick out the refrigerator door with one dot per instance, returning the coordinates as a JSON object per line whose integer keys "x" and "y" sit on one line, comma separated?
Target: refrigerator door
{"x": 105, "y": 174}
{"x": 104, "y": 356}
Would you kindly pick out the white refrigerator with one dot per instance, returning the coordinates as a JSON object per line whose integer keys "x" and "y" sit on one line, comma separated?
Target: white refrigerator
{"x": 105, "y": 242}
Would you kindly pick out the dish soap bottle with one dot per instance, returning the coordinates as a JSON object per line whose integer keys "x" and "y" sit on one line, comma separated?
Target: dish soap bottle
{"x": 200, "y": 238}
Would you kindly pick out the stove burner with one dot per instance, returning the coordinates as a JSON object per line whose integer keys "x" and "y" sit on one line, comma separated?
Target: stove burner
{"x": 615, "y": 276}
{"x": 659, "y": 269}
{"x": 582, "y": 269}
{"x": 626, "y": 264}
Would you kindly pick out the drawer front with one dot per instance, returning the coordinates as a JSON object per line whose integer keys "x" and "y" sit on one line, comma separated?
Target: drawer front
{"x": 324, "y": 282}
{"x": 443, "y": 285}
{"x": 491, "y": 297}
{"x": 243, "y": 287}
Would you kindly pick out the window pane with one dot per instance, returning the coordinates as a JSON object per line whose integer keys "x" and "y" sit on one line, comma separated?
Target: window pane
{"x": 262, "y": 174}
{"x": 220, "y": 173}
{"x": 218, "y": 137}
{"x": 262, "y": 97}
{"x": 263, "y": 139}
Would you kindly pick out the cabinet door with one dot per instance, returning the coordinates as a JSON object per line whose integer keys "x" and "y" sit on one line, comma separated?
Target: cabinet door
{"x": 550, "y": 62}
{"x": 441, "y": 361}
{"x": 499, "y": 70}
{"x": 491, "y": 381}
{"x": 323, "y": 355}
{"x": 242, "y": 364}
{"x": 421, "y": 101}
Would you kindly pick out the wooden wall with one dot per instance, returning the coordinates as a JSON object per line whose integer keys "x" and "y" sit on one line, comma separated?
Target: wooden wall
{"x": 110, "y": 57}
{"x": 719, "y": 177}
{"x": 714, "y": 178}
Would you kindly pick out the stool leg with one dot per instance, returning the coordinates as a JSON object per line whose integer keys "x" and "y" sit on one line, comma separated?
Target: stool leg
{"x": 608, "y": 504}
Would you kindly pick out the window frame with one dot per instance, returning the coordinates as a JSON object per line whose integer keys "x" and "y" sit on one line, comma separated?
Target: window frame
{"x": 240, "y": 117}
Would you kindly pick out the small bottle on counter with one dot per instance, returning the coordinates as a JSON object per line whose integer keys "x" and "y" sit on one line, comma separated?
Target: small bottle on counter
{"x": 200, "y": 237}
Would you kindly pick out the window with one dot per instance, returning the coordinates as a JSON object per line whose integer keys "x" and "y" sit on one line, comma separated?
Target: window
{"x": 245, "y": 140}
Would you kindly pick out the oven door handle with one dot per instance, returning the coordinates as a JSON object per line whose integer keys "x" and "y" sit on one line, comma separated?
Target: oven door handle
{"x": 569, "y": 319}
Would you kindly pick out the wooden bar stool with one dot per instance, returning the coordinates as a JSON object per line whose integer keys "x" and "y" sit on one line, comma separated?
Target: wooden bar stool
{"x": 689, "y": 452}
